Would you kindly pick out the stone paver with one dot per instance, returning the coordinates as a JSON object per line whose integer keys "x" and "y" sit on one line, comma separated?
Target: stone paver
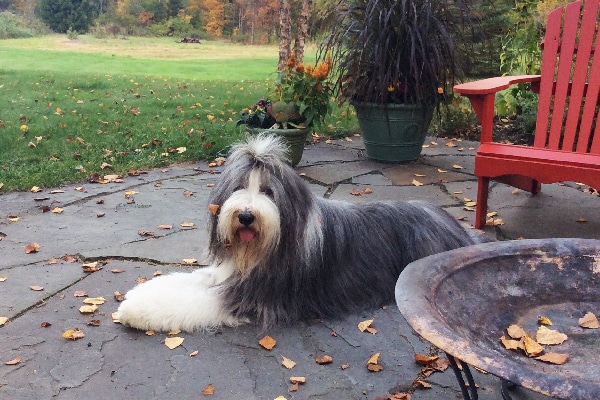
{"x": 116, "y": 362}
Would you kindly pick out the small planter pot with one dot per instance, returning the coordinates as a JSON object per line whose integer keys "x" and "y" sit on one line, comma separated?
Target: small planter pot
{"x": 295, "y": 139}
{"x": 393, "y": 132}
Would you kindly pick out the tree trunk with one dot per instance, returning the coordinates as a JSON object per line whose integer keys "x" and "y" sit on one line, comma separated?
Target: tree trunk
{"x": 302, "y": 30}
{"x": 285, "y": 33}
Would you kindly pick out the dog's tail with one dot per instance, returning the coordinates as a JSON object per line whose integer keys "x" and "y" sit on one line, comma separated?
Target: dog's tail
{"x": 263, "y": 148}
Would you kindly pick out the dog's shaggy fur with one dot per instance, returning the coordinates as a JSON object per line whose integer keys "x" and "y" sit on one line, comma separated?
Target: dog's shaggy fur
{"x": 280, "y": 254}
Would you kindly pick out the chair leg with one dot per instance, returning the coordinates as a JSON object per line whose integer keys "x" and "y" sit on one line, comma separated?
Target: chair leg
{"x": 482, "y": 196}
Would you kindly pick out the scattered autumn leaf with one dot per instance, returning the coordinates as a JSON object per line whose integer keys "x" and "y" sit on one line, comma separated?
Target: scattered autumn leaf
{"x": 73, "y": 334}
{"x": 194, "y": 353}
{"x": 362, "y": 326}
{"x": 186, "y": 224}
{"x": 581, "y": 220}
{"x": 286, "y": 362}
{"x": 57, "y": 210}
{"x": 45, "y": 324}
{"x": 100, "y": 215}
{"x": 88, "y": 309}
{"x": 3, "y": 320}
{"x": 36, "y": 288}
{"x": 150, "y": 333}
{"x": 325, "y": 359}
{"x": 456, "y": 166}
{"x": 189, "y": 260}
{"x": 173, "y": 342}
{"x": 423, "y": 359}
{"x": 35, "y": 189}
{"x": 91, "y": 267}
{"x": 3, "y": 278}
{"x": 14, "y": 361}
{"x": 95, "y": 300}
{"x": 589, "y": 321}
{"x": 554, "y": 358}
{"x": 267, "y": 342}
{"x": 510, "y": 344}
{"x": 543, "y": 320}
{"x": 373, "y": 363}
{"x": 549, "y": 336}
{"x": 208, "y": 390}
{"x": 32, "y": 248}
{"x": 530, "y": 346}
{"x": 165, "y": 227}
{"x": 422, "y": 384}
{"x": 114, "y": 318}
{"x": 213, "y": 208}
{"x": 416, "y": 183}
{"x": 145, "y": 233}
{"x": 80, "y": 293}
{"x": 298, "y": 379}
{"x": 94, "y": 322}
{"x": 515, "y": 331}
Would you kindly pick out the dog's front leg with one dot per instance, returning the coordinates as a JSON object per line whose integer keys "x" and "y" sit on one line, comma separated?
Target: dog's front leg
{"x": 186, "y": 301}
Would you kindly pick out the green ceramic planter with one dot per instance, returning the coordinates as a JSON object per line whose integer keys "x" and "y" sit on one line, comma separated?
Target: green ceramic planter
{"x": 295, "y": 139}
{"x": 393, "y": 132}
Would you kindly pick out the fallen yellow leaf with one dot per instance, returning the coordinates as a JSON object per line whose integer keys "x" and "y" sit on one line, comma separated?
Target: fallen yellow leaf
{"x": 510, "y": 344}
{"x": 286, "y": 362}
{"x": 194, "y": 353}
{"x": 298, "y": 379}
{"x": 14, "y": 361}
{"x": 549, "y": 336}
{"x": 3, "y": 320}
{"x": 515, "y": 331}
{"x": 73, "y": 334}
{"x": 530, "y": 346}
{"x": 362, "y": 326}
{"x": 95, "y": 300}
{"x": 416, "y": 183}
{"x": 88, "y": 309}
{"x": 208, "y": 390}
{"x": 325, "y": 359}
{"x": 58, "y": 210}
{"x": 173, "y": 342}
{"x": 542, "y": 320}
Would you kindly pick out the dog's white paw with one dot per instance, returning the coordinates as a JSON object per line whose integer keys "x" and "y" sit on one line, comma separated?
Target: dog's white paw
{"x": 185, "y": 301}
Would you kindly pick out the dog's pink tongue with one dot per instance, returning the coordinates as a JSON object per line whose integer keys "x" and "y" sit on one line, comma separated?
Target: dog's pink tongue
{"x": 246, "y": 234}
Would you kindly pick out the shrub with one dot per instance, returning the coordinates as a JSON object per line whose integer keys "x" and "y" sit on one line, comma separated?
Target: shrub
{"x": 13, "y": 26}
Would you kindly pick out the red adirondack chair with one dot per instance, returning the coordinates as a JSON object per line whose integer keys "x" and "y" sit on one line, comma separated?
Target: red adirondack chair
{"x": 567, "y": 139}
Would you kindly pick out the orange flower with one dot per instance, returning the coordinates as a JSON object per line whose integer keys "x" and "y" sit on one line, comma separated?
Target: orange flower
{"x": 308, "y": 69}
{"x": 300, "y": 68}
{"x": 440, "y": 90}
{"x": 391, "y": 88}
{"x": 321, "y": 71}
{"x": 291, "y": 62}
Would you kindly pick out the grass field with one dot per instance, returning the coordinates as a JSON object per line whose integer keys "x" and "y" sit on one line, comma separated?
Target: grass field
{"x": 74, "y": 109}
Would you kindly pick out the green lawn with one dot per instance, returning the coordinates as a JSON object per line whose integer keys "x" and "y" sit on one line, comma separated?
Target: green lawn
{"x": 68, "y": 108}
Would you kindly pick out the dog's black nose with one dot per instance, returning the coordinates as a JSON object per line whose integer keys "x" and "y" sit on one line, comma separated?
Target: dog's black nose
{"x": 246, "y": 218}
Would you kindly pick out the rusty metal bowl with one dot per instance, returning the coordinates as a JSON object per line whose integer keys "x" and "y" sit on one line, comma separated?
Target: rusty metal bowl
{"x": 463, "y": 300}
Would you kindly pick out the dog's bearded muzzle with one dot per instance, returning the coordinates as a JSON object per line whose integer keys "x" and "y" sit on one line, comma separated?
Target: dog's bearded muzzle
{"x": 246, "y": 232}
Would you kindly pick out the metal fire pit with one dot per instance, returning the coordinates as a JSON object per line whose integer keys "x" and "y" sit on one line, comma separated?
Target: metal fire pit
{"x": 463, "y": 300}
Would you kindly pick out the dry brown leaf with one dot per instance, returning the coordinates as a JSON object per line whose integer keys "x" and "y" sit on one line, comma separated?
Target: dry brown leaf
{"x": 80, "y": 293}
{"x": 286, "y": 362}
{"x": 423, "y": 384}
{"x": 554, "y": 358}
{"x": 400, "y": 396}
{"x": 94, "y": 322}
{"x": 36, "y": 288}
{"x": 100, "y": 215}
{"x": 32, "y": 248}
{"x": 510, "y": 344}
{"x": 589, "y": 321}
{"x": 88, "y": 309}
{"x": 73, "y": 334}
{"x": 45, "y": 324}
{"x": 91, "y": 267}
{"x": 267, "y": 342}
{"x": 363, "y": 325}
{"x": 95, "y": 300}
{"x": 549, "y": 336}
{"x": 194, "y": 353}
{"x": 345, "y": 366}
{"x": 14, "y": 361}
{"x": 190, "y": 260}
{"x": 416, "y": 183}
{"x": 325, "y": 359}
{"x": 581, "y": 219}
{"x": 150, "y": 333}
{"x": 213, "y": 208}
{"x": 3, "y": 320}
{"x": 208, "y": 390}
{"x": 543, "y": 320}
{"x": 58, "y": 210}
{"x": 186, "y": 224}
{"x": 294, "y": 388}
{"x": 423, "y": 359}
{"x": 515, "y": 331}
{"x": 173, "y": 342}
{"x": 165, "y": 227}
{"x": 373, "y": 363}
{"x": 530, "y": 346}
{"x": 174, "y": 332}
{"x": 456, "y": 166}
{"x": 298, "y": 379}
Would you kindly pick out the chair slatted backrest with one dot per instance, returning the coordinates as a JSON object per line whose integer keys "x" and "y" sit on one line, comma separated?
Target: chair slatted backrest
{"x": 568, "y": 99}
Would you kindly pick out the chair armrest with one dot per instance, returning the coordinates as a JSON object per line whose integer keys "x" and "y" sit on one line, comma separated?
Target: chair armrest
{"x": 493, "y": 85}
{"x": 482, "y": 95}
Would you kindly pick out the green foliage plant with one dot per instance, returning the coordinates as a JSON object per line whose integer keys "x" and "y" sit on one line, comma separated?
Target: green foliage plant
{"x": 398, "y": 51}
{"x": 14, "y": 26}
